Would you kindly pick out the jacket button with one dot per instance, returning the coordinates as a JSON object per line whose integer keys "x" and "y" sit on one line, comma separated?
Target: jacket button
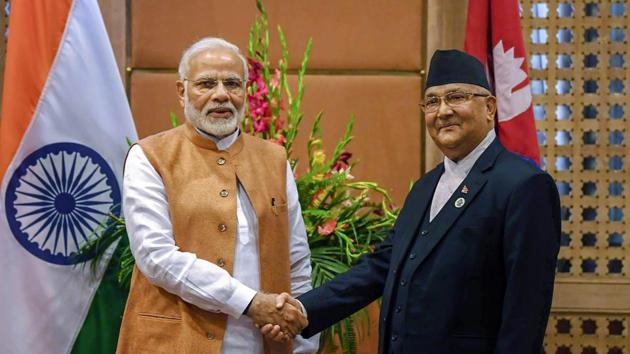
{"x": 224, "y": 193}
{"x": 220, "y": 262}
{"x": 403, "y": 282}
{"x": 220, "y": 161}
{"x": 412, "y": 256}
{"x": 424, "y": 232}
{"x": 394, "y": 338}
{"x": 222, "y": 227}
{"x": 394, "y": 271}
{"x": 210, "y": 335}
{"x": 398, "y": 309}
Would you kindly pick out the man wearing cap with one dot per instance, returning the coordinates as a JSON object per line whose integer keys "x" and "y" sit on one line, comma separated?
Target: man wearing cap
{"x": 469, "y": 265}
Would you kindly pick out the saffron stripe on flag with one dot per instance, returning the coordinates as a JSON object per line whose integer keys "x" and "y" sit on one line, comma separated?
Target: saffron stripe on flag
{"x": 36, "y": 28}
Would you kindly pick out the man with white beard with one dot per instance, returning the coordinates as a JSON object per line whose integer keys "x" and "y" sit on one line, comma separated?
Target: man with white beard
{"x": 214, "y": 224}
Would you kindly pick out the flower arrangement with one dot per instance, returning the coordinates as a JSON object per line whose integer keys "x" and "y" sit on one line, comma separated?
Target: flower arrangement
{"x": 342, "y": 222}
{"x": 344, "y": 218}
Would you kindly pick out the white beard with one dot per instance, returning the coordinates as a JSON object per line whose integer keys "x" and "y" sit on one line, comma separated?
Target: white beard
{"x": 218, "y": 127}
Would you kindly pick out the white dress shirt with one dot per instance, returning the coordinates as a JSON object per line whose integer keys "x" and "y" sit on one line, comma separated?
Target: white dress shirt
{"x": 196, "y": 280}
{"x": 455, "y": 173}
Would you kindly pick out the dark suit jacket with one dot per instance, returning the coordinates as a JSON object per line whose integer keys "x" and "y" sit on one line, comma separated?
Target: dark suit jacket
{"x": 483, "y": 281}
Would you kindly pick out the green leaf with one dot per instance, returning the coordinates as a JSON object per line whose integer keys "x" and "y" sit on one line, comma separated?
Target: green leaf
{"x": 260, "y": 7}
{"x": 343, "y": 143}
{"x": 295, "y": 105}
{"x": 319, "y": 213}
{"x": 173, "y": 118}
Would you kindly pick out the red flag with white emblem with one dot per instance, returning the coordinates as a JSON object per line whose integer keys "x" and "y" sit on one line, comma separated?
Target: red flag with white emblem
{"x": 493, "y": 35}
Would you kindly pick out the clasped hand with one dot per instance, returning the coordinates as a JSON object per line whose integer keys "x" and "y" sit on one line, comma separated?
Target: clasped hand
{"x": 279, "y": 317}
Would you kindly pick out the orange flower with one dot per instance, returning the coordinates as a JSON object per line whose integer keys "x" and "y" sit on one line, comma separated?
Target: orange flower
{"x": 316, "y": 196}
{"x": 279, "y": 139}
{"x": 327, "y": 228}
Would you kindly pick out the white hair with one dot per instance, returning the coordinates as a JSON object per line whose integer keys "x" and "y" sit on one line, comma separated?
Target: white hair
{"x": 205, "y": 44}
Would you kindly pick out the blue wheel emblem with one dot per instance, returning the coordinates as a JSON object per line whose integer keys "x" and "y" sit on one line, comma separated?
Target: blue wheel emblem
{"x": 57, "y": 197}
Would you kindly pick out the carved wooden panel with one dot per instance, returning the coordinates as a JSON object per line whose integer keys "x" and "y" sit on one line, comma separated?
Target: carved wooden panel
{"x": 578, "y": 59}
{"x": 587, "y": 334}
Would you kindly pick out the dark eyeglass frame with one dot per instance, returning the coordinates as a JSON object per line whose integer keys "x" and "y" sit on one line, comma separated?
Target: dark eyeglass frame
{"x": 449, "y": 102}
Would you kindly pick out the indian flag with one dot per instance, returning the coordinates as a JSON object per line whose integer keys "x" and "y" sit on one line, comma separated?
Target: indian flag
{"x": 64, "y": 121}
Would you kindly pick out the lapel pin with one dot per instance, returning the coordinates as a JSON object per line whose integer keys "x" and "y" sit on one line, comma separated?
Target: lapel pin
{"x": 465, "y": 189}
{"x": 460, "y": 202}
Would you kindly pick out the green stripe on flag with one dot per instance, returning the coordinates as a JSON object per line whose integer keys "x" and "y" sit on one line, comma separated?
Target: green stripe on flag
{"x": 99, "y": 334}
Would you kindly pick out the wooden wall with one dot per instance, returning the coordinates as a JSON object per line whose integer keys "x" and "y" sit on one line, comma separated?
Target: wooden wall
{"x": 366, "y": 61}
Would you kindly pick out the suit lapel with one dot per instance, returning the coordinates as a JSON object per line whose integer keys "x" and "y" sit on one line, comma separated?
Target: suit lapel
{"x": 461, "y": 199}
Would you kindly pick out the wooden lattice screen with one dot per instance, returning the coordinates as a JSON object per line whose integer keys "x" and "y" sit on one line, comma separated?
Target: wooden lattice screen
{"x": 579, "y": 61}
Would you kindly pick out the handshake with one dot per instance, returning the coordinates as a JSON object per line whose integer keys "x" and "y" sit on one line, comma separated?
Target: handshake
{"x": 278, "y": 316}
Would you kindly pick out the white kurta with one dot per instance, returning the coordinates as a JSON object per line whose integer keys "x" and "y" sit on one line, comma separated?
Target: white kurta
{"x": 198, "y": 281}
{"x": 455, "y": 173}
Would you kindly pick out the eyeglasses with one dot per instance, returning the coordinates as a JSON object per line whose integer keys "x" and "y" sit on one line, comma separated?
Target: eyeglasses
{"x": 452, "y": 99}
{"x": 205, "y": 85}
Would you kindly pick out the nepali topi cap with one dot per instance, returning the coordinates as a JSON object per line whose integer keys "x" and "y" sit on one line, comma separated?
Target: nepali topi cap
{"x": 455, "y": 67}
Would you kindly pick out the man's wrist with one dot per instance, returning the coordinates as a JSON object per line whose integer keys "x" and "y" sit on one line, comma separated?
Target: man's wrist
{"x": 248, "y": 305}
{"x": 302, "y": 308}
{"x": 241, "y": 298}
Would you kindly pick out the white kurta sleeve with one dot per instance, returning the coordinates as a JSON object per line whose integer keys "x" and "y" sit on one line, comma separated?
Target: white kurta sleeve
{"x": 150, "y": 231}
{"x": 300, "y": 258}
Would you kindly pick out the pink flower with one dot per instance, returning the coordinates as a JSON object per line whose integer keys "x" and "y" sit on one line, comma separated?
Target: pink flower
{"x": 261, "y": 88}
{"x": 259, "y": 103}
{"x": 254, "y": 69}
{"x": 343, "y": 161}
{"x": 258, "y": 107}
{"x": 260, "y": 126}
{"x": 257, "y": 100}
{"x": 327, "y": 228}
{"x": 275, "y": 80}
{"x": 345, "y": 157}
{"x": 279, "y": 123}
